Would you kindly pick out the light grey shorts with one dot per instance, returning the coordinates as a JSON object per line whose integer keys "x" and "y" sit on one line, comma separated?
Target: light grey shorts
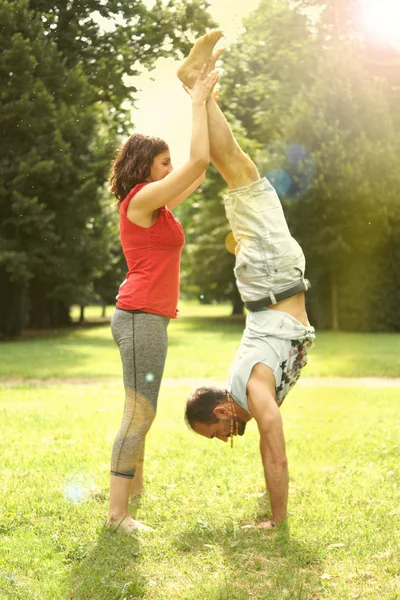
{"x": 268, "y": 259}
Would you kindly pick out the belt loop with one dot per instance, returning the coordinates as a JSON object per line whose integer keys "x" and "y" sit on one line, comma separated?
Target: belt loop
{"x": 272, "y": 298}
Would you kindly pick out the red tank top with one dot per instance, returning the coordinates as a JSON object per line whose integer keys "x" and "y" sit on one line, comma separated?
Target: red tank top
{"x": 153, "y": 257}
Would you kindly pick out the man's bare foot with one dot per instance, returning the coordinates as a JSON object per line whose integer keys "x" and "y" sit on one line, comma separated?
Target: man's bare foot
{"x": 127, "y": 524}
{"x": 201, "y": 53}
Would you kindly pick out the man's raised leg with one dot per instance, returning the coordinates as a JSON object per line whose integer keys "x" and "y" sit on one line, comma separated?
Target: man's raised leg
{"x": 226, "y": 155}
{"x": 235, "y": 166}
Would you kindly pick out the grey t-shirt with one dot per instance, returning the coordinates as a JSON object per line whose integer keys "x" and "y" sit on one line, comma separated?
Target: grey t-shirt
{"x": 277, "y": 340}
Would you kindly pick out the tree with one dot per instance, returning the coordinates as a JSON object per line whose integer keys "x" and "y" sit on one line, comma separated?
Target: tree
{"x": 207, "y": 266}
{"x": 343, "y": 221}
{"x": 326, "y": 134}
{"x": 264, "y": 70}
{"x": 61, "y": 113}
{"x": 135, "y": 37}
{"x": 47, "y": 197}
{"x": 108, "y": 279}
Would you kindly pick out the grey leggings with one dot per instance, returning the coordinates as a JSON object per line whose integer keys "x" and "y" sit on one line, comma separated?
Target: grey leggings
{"x": 142, "y": 340}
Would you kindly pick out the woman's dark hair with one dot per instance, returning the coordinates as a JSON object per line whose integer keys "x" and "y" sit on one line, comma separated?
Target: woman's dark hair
{"x": 200, "y": 405}
{"x": 133, "y": 162}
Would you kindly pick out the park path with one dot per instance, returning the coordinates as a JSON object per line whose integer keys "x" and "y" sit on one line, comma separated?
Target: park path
{"x": 194, "y": 382}
{"x": 313, "y": 382}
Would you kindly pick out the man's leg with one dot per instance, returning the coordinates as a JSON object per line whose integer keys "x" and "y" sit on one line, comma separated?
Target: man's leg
{"x": 226, "y": 155}
{"x": 235, "y": 166}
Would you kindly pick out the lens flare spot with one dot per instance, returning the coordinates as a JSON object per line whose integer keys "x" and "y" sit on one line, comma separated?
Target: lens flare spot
{"x": 230, "y": 243}
{"x": 280, "y": 179}
{"x": 296, "y": 153}
{"x": 78, "y": 488}
{"x": 290, "y": 168}
{"x": 149, "y": 377}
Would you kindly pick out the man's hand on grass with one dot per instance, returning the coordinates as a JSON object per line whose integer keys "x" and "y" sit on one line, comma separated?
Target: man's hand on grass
{"x": 263, "y": 525}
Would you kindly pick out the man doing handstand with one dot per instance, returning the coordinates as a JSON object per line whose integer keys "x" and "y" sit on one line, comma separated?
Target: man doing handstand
{"x": 270, "y": 268}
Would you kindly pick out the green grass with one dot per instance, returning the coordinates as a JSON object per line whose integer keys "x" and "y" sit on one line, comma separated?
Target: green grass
{"x": 202, "y": 343}
{"x": 56, "y": 441}
{"x": 339, "y": 543}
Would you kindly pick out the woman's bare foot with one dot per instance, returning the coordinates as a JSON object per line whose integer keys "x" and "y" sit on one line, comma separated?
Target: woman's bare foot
{"x": 127, "y": 524}
{"x": 201, "y": 53}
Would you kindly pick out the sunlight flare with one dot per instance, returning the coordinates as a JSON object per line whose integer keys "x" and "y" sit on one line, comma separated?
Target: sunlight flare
{"x": 381, "y": 20}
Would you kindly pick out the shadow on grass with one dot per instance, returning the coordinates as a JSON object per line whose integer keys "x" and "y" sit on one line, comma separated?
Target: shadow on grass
{"x": 58, "y": 332}
{"x": 102, "y": 572}
{"x": 195, "y": 322}
{"x": 69, "y": 336}
{"x": 264, "y": 561}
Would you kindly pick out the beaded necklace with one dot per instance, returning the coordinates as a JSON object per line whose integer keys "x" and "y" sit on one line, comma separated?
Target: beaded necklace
{"x": 232, "y": 409}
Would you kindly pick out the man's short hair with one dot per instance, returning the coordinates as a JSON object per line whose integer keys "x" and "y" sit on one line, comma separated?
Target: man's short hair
{"x": 200, "y": 405}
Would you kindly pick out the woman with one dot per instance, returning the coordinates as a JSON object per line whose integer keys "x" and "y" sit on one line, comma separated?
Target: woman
{"x": 147, "y": 188}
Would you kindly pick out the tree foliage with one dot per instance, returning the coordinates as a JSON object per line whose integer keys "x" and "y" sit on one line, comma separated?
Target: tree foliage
{"x": 346, "y": 220}
{"x": 208, "y": 259}
{"x": 324, "y": 129}
{"x": 135, "y": 37}
{"x": 49, "y": 176}
{"x": 64, "y": 83}
{"x": 262, "y": 72}
{"x": 265, "y": 68}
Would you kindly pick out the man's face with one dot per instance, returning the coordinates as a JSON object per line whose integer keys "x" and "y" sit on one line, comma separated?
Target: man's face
{"x": 222, "y": 428}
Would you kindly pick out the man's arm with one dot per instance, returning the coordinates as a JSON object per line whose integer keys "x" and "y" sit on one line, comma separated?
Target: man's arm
{"x": 263, "y": 407}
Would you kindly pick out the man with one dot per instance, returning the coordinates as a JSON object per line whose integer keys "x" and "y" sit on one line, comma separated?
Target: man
{"x": 270, "y": 268}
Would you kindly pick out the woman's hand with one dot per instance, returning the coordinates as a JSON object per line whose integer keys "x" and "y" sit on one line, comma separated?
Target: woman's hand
{"x": 204, "y": 85}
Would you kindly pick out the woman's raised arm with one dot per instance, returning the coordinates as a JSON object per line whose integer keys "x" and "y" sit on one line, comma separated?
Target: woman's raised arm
{"x": 158, "y": 193}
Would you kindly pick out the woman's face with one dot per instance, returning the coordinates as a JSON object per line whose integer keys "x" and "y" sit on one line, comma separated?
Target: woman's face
{"x": 161, "y": 166}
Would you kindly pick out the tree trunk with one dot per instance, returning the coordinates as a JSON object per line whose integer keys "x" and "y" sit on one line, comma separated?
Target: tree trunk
{"x": 334, "y": 305}
{"x": 46, "y": 312}
{"x": 82, "y": 314}
{"x": 103, "y": 311}
{"x": 39, "y": 317}
{"x": 59, "y": 314}
{"x": 13, "y": 313}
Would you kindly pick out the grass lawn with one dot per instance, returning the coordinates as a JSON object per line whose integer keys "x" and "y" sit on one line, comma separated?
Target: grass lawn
{"x": 339, "y": 543}
{"x": 56, "y": 440}
{"x": 202, "y": 344}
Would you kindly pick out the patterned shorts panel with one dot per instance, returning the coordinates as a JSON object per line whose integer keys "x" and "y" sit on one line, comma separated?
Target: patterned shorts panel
{"x": 290, "y": 366}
